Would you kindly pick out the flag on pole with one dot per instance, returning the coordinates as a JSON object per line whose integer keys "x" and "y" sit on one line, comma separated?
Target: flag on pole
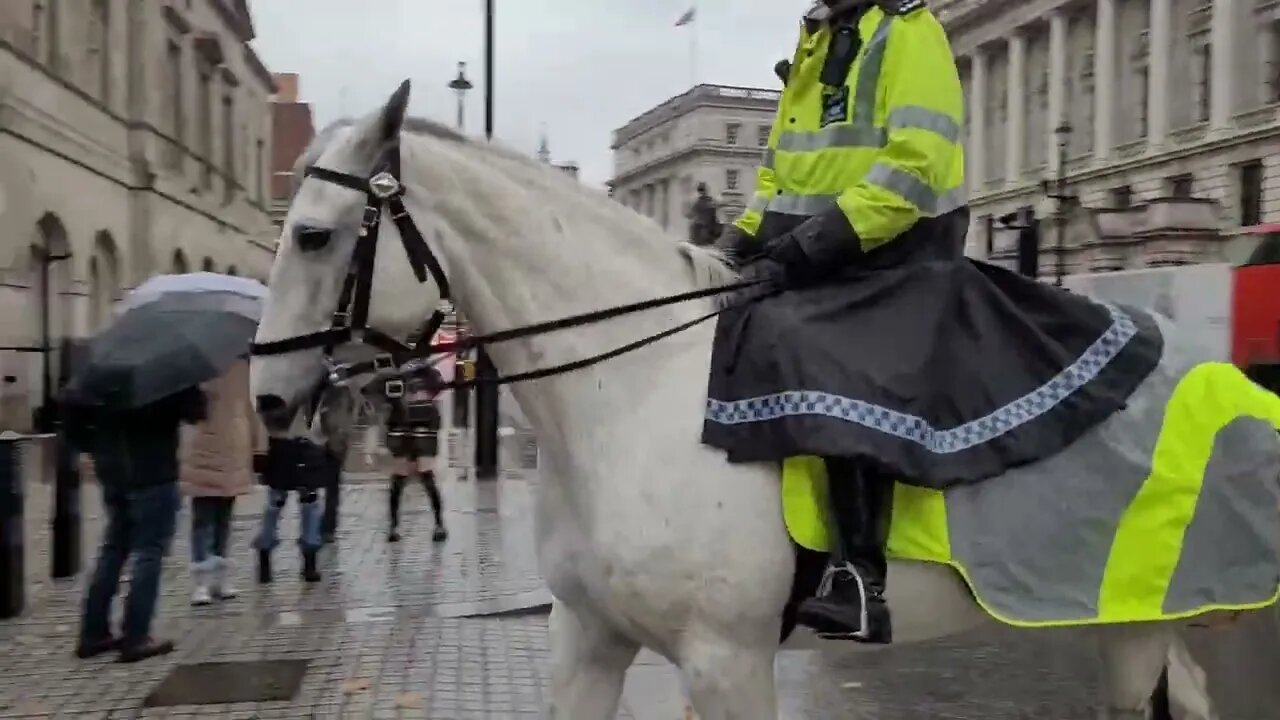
{"x": 689, "y": 16}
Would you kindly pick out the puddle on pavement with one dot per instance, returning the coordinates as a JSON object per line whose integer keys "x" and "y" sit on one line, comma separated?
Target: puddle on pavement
{"x": 221, "y": 683}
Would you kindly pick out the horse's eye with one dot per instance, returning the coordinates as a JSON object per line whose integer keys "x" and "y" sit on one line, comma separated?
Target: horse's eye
{"x": 311, "y": 238}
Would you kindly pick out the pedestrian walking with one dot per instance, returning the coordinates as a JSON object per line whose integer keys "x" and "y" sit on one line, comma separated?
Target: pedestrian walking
{"x": 216, "y": 468}
{"x": 135, "y": 458}
{"x": 413, "y": 437}
{"x": 292, "y": 466}
{"x": 125, "y": 406}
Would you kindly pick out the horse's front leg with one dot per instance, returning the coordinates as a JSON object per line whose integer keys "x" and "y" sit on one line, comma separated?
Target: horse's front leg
{"x": 729, "y": 679}
{"x": 1133, "y": 657}
{"x": 589, "y": 665}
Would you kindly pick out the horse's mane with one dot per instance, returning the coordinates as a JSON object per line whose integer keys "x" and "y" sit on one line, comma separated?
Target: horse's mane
{"x": 708, "y": 266}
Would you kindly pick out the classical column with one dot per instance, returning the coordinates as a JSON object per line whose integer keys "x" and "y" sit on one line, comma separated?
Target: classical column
{"x": 976, "y": 157}
{"x": 1221, "y": 92}
{"x": 1016, "y": 99}
{"x": 1104, "y": 79}
{"x": 1057, "y": 113}
{"x": 1159, "y": 48}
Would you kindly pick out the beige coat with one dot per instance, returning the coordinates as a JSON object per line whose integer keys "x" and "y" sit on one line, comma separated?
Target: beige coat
{"x": 217, "y": 454}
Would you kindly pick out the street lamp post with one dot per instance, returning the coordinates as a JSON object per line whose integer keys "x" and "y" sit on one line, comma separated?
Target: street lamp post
{"x": 462, "y": 396}
{"x": 460, "y": 85}
{"x": 1063, "y": 135}
{"x": 486, "y": 457}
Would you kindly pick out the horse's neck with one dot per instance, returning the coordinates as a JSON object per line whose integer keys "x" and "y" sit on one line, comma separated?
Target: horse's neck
{"x": 543, "y": 256}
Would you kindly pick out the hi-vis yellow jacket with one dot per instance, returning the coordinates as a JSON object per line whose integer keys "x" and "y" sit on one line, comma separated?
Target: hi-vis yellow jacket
{"x": 884, "y": 147}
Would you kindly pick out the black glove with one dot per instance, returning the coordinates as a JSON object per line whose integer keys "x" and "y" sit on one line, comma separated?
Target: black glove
{"x": 738, "y": 247}
{"x": 820, "y": 247}
{"x": 769, "y": 277}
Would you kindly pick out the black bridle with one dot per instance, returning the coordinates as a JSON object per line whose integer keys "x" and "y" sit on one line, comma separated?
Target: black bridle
{"x": 384, "y": 192}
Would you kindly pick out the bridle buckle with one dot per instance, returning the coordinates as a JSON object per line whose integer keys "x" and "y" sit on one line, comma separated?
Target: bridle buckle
{"x": 393, "y": 389}
{"x": 341, "y": 318}
{"x": 383, "y": 363}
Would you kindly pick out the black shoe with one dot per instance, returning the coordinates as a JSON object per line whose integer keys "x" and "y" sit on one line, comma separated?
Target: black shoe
{"x": 440, "y": 534}
{"x": 264, "y": 566}
{"x": 86, "y": 650}
{"x": 310, "y": 572}
{"x": 393, "y": 535}
{"x": 847, "y": 608}
{"x": 148, "y": 648}
{"x": 327, "y": 538}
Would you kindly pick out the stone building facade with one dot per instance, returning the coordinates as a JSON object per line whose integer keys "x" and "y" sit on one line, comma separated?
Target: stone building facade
{"x": 714, "y": 134}
{"x": 1173, "y": 110}
{"x": 135, "y": 139}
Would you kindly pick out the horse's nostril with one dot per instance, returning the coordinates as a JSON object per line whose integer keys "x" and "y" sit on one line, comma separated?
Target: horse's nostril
{"x": 270, "y": 404}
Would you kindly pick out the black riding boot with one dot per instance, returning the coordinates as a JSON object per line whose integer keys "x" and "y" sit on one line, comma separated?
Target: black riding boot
{"x": 850, "y": 603}
{"x": 264, "y": 566}
{"x": 437, "y": 505}
{"x": 397, "y": 489}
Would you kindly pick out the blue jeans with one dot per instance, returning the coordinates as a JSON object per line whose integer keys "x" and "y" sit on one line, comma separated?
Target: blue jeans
{"x": 210, "y": 527}
{"x": 140, "y": 524}
{"x": 308, "y": 507}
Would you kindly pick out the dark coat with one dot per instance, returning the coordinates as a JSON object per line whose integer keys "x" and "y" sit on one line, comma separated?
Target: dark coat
{"x": 135, "y": 448}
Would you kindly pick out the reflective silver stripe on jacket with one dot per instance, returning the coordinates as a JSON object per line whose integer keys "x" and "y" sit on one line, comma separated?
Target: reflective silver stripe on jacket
{"x": 759, "y": 203}
{"x": 915, "y": 191}
{"x": 933, "y": 205}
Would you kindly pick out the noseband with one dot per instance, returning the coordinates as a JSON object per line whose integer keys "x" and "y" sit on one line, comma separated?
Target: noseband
{"x": 383, "y": 193}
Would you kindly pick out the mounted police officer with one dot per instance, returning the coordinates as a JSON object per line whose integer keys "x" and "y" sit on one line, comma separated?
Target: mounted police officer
{"x": 871, "y": 342}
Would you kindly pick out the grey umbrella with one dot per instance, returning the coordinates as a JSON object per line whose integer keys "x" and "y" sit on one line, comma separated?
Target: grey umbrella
{"x": 170, "y": 342}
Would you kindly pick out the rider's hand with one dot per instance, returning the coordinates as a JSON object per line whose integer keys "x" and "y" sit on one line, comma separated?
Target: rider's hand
{"x": 769, "y": 277}
{"x": 819, "y": 247}
{"x": 738, "y": 246}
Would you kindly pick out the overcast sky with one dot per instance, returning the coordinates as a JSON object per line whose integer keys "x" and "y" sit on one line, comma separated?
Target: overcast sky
{"x": 580, "y": 67}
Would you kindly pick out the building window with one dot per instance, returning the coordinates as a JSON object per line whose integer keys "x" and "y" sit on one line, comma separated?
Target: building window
{"x": 53, "y": 46}
{"x": 228, "y": 148}
{"x": 731, "y": 179}
{"x": 1180, "y": 186}
{"x": 1122, "y": 197}
{"x": 988, "y": 225}
{"x": 1272, "y": 72}
{"x": 731, "y": 131}
{"x": 204, "y": 121}
{"x": 1204, "y": 63}
{"x": 1251, "y": 193}
{"x": 258, "y": 171}
{"x": 100, "y": 39}
{"x": 1144, "y": 90}
{"x": 177, "y": 118}
{"x": 762, "y": 135}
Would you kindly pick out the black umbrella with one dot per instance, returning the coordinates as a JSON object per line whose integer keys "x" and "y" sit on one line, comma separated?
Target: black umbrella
{"x": 160, "y": 348}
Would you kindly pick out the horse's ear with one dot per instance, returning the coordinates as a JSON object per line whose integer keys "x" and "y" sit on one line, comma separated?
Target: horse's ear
{"x": 391, "y": 119}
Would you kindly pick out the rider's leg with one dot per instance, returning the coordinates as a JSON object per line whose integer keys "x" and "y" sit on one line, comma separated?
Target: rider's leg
{"x": 850, "y": 603}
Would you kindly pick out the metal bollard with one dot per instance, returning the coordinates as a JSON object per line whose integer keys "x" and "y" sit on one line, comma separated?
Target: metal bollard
{"x": 66, "y": 526}
{"x": 13, "y": 596}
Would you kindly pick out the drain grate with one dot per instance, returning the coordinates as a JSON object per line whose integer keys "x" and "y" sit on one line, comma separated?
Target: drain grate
{"x": 217, "y": 683}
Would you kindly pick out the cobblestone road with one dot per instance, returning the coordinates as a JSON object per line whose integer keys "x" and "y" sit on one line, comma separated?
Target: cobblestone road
{"x": 386, "y": 636}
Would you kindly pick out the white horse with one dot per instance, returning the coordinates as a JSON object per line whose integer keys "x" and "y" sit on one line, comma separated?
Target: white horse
{"x": 645, "y": 536}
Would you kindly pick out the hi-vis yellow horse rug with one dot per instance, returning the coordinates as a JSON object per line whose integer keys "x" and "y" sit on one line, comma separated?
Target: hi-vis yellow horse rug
{"x": 1166, "y": 510}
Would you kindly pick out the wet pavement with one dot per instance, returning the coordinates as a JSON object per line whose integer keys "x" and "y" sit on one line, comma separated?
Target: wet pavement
{"x": 390, "y": 632}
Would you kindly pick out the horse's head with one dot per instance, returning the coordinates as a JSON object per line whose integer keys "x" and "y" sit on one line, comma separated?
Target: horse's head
{"x": 317, "y": 250}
